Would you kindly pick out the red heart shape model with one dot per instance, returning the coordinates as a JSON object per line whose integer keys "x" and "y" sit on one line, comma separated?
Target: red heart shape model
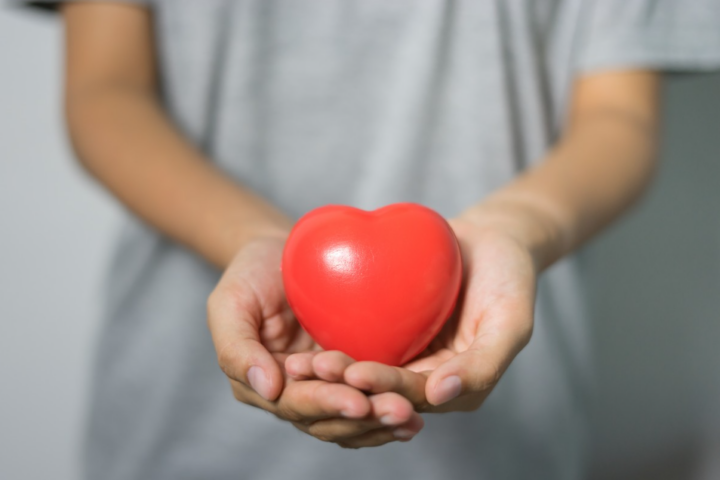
{"x": 376, "y": 285}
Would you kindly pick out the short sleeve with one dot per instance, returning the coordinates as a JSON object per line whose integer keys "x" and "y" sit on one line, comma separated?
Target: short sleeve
{"x": 674, "y": 35}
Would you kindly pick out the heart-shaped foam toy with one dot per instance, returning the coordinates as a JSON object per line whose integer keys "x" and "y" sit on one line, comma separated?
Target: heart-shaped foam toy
{"x": 376, "y": 285}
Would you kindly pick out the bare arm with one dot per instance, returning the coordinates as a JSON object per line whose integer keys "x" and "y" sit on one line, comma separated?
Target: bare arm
{"x": 124, "y": 139}
{"x": 603, "y": 162}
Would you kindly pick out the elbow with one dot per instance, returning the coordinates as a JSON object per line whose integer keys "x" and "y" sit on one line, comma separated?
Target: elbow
{"x": 78, "y": 126}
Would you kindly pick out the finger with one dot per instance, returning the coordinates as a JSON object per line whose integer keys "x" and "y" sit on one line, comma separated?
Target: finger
{"x": 299, "y": 365}
{"x": 311, "y": 400}
{"x": 331, "y": 365}
{"x": 375, "y": 438}
{"x": 308, "y": 401}
{"x": 278, "y": 331}
{"x": 243, "y": 393}
{"x": 388, "y": 409}
{"x": 233, "y": 320}
{"x": 476, "y": 370}
{"x": 376, "y": 377}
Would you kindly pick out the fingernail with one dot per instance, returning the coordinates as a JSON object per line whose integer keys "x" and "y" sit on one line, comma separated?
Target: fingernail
{"x": 389, "y": 419}
{"x": 259, "y": 381}
{"x": 448, "y": 389}
{"x": 404, "y": 433}
{"x": 350, "y": 412}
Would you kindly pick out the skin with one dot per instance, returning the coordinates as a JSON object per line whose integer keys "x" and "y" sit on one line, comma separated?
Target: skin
{"x": 600, "y": 165}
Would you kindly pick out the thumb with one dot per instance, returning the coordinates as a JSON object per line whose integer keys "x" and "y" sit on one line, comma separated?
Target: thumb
{"x": 241, "y": 355}
{"x": 476, "y": 370}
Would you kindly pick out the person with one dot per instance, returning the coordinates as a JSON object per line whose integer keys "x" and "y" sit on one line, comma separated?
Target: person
{"x": 530, "y": 125}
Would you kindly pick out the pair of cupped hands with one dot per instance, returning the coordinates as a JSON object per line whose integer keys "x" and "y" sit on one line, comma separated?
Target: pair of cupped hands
{"x": 273, "y": 364}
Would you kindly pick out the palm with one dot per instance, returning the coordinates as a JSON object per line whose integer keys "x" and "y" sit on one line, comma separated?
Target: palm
{"x": 258, "y": 283}
{"x": 498, "y": 282}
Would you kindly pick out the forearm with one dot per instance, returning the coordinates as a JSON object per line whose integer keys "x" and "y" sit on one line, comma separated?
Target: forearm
{"x": 599, "y": 168}
{"x": 123, "y": 138}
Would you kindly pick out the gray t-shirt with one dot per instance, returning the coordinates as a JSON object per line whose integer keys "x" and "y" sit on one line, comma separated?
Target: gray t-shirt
{"x": 364, "y": 102}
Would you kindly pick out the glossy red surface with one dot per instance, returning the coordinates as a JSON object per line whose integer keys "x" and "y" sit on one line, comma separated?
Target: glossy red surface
{"x": 376, "y": 285}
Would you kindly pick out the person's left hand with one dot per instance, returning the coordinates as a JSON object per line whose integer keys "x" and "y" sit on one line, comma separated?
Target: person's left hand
{"x": 492, "y": 323}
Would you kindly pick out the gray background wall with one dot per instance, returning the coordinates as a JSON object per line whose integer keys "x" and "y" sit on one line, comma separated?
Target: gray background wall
{"x": 656, "y": 278}
{"x": 656, "y": 300}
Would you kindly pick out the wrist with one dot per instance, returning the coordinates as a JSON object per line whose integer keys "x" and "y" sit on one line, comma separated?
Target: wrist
{"x": 534, "y": 229}
{"x": 249, "y": 233}
{"x": 221, "y": 244}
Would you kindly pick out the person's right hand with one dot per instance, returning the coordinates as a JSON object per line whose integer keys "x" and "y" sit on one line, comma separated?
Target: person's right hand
{"x": 254, "y": 331}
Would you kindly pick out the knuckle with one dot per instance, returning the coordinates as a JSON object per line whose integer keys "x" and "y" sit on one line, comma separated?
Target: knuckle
{"x": 209, "y": 312}
{"x": 211, "y": 300}
{"x": 301, "y": 427}
{"x": 491, "y": 374}
{"x": 238, "y": 394}
{"x": 525, "y": 335}
{"x": 285, "y": 412}
{"x": 347, "y": 446}
{"x": 485, "y": 373}
{"x": 228, "y": 300}
{"x": 321, "y": 432}
{"x": 423, "y": 407}
{"x": 324, "y": 432}
{"x": 226, "y": 360}
{"x": 322, "y": 437}
{"x": 317, "y": 431}
{"x": 212, "y": 303}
